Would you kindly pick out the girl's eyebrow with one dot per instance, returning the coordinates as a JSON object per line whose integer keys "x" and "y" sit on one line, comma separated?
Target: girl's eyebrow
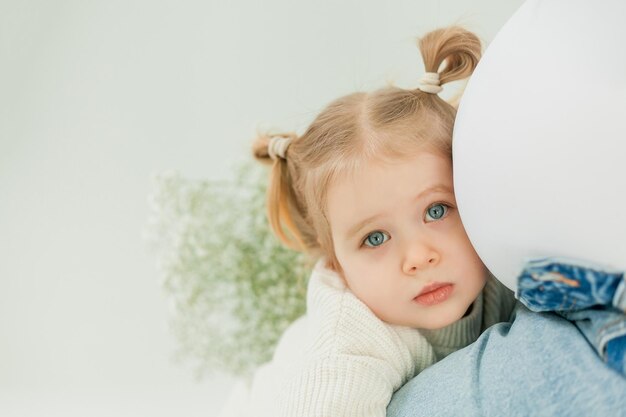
{"x": 438, "y": 188}
{"x": 360, "y": 225}
{"x": 430, "y": 190}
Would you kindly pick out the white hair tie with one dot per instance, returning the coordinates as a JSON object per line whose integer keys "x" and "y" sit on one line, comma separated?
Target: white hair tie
{"x": 278, "y": 146}
{"x": 430, "y": 83}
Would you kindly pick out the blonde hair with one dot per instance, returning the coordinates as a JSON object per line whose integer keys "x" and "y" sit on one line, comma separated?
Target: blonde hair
{"x": 386, "y": 124}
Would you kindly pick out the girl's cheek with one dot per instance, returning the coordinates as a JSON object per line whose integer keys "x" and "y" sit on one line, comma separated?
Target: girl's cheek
{"x": 453, "y": 223}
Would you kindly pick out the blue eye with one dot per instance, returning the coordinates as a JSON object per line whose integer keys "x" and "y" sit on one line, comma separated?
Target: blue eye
{"x": 375, "y": 239}
{"x": 436, "y": 212}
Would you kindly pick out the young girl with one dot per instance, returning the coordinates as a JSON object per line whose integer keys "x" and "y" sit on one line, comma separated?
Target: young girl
{"x": 368, "y": 190}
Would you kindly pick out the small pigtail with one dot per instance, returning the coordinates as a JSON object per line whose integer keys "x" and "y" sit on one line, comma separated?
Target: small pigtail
{"x": 460, "y": 49}
{"x": 282, "y": 205}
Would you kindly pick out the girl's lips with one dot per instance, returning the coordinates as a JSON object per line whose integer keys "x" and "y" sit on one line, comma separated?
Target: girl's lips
{"x": 434, "y": 293}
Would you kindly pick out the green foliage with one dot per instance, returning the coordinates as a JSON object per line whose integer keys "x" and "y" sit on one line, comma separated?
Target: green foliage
{"x": 234, "y": 288}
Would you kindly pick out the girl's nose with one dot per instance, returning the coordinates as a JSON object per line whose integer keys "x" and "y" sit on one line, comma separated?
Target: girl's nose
{"x": 419, "y": 256}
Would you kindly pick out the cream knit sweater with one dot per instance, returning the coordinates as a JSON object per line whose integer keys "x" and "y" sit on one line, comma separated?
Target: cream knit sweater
{"x": 341, "y": 360}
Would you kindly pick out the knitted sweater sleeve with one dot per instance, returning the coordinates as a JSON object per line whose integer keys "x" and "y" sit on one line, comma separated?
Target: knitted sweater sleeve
{"x": 353, "y": 361}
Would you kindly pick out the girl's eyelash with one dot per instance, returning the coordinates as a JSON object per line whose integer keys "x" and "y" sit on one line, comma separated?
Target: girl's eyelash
{"x": 443, "y": 203}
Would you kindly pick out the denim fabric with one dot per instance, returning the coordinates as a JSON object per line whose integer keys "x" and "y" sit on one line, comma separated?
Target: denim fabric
{"x": 616, "y": 352}
{"x": 587, "y": 295}
{"x": 559, "y": 284}
{"x": 537, "y": 365}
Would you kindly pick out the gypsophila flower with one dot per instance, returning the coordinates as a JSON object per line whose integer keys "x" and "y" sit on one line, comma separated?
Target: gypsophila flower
{"x": 234, "y": 287}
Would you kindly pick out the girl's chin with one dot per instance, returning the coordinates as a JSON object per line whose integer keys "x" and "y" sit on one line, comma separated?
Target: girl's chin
{"x": 445, "y": 320}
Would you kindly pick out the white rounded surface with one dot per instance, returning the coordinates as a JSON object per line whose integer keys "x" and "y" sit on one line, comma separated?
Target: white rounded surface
{"x": 539, "y": 140}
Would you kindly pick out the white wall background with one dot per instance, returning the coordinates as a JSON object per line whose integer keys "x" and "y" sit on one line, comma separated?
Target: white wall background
{"x": 95, "y": 97}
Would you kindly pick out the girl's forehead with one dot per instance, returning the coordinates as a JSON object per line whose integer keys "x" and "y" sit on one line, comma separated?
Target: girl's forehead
{"x": 383, "y": 177}
{"x": 417, "y": 163}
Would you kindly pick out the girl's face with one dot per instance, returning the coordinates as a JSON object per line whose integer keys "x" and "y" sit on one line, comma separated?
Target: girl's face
{"x": 401, "y": 245}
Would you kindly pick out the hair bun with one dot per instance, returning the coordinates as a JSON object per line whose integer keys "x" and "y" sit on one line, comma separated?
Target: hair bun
{"x": 459, "y": 48}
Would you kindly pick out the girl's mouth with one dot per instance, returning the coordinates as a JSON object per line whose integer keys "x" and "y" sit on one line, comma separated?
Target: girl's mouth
{"x": 434, "y": 293}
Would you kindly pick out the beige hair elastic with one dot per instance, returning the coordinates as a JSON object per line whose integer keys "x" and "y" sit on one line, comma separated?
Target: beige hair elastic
{"x": 277, "y": 147}
{"x": 430, "y": 83}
